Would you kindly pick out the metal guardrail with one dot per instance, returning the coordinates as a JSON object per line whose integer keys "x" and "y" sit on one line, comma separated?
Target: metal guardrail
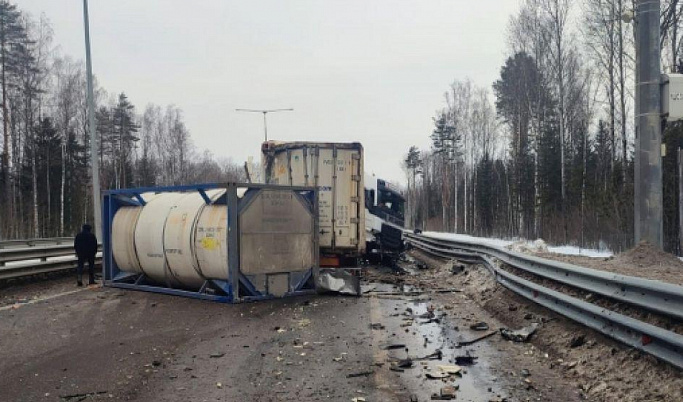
{"x": 19, "y": 258}
{"x": 656, "y": 296}
{"x": 32, "y": 253}
{"x": 34, "y": 242}
{"x": 663, "y": 344}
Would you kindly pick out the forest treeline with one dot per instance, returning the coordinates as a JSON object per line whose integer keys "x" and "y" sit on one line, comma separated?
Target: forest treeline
{"x": 550, "y": 154}
{"x": 45, "y": 183}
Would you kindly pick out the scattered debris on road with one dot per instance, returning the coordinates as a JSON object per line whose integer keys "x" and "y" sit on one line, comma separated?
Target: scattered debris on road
{"x": 450, "y": 369}
{"x": 391, "y": 346}
{"x": 80, "y": 397}
{"x": 436, "y": 375}
{"x": 520, "y": 335}
{"x": 480, "y": 326}
{"x": 438, "y": 355}
{"x": 447, "y": 393}
{"x": 577, "y": 341}
{"x": 477, "y": 339}
{"x": 376, "y": 325}
{"x": 338, "y": 281}
{"x": 466, "y": 360}
{"x": 360, "y": 374}
{"x": 456, "y": 267}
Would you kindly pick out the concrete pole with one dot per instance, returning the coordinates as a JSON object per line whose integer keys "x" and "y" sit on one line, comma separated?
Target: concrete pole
{"x": 94, "y": 162}
{"x": 680, "y": 201}
{"x": 648, "y": 158}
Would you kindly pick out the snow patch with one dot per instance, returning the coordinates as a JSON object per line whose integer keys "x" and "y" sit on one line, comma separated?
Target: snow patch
{"x": 468, "y": 238}
{"x": 586, "y": 252}
{"x": 537, "y": 246}
{"x": 523, "y": 246}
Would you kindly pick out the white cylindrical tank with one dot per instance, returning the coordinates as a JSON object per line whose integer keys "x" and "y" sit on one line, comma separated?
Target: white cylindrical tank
{"x": 149, "y": 238}
{"x": 211, "y": 241}
{"x": 176, "y": 239}
{"x": 123, "y": 240}
{"x": 179, "y": 238}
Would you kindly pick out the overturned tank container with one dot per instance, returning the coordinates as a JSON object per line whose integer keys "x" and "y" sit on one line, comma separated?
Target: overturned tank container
{"x": 228, "y": 242}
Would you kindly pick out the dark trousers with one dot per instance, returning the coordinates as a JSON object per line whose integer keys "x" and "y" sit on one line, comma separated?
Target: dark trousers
{"x": 91, "y": 268}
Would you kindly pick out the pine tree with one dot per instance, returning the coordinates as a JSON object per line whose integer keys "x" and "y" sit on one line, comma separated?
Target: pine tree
{"x": 12, "y": 45}
{"x": 125, "y": 129}
{"x": 413, "y": 163}
{"x": 517, "y": 103}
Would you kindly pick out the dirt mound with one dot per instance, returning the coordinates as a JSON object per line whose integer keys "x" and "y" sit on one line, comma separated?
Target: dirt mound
{"x": 644, "y": 260}
{"x": 645, "y": 254}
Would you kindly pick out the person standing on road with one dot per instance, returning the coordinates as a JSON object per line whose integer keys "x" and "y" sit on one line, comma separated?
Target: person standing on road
{"x": 85, "y": 245}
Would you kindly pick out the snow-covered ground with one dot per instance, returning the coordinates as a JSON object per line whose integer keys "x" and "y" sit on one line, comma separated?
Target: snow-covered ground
{"x": 523, "y": 245}
{"x": 573, "y": 250}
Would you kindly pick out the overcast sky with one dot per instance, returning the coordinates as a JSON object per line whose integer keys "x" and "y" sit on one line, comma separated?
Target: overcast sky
{"x": 353, "y": 70}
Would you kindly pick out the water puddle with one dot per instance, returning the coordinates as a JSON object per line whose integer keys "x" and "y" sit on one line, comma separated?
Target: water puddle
{"x": 419, "y": 332}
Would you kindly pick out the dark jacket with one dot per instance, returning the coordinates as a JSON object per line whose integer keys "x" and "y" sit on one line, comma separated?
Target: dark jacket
{"x": 85, "y": 243}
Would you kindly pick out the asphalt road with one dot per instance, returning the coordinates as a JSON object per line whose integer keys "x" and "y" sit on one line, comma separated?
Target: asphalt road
{"x": 109, "y": 344}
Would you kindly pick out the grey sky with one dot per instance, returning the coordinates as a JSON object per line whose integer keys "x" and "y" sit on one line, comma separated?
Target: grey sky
{"x": 353, "y": 70}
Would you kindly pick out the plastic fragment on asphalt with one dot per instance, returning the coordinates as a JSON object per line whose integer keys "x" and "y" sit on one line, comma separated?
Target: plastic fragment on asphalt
{"x": 449, "y": 369}
{"x": 437, "y": 375}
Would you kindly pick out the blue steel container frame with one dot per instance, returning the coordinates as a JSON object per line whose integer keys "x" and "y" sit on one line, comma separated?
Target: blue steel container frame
{"x": 237, "y": 287}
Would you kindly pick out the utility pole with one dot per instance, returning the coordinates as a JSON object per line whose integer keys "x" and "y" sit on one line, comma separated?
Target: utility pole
{"x": 680, "y": 201}
{"x": 94, "y": 162}
{"x": 265, "y": 112}
{"x": 648, "y": 157}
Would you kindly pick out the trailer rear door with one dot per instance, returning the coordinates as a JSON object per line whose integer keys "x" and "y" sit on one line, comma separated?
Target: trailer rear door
{"x": 336, "y": 169}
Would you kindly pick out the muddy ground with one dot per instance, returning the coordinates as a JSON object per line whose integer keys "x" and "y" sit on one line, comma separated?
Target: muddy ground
{"x": 61, "y": 343}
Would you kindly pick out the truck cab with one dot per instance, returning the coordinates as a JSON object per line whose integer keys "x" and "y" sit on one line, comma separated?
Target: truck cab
{"x": 384, "y": 217}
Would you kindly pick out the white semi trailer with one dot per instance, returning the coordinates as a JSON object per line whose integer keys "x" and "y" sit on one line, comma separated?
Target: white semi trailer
{"x": 355, "y": 217}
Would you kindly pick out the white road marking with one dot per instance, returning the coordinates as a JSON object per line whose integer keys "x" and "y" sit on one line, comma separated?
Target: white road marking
{"x": 54, "y": 296}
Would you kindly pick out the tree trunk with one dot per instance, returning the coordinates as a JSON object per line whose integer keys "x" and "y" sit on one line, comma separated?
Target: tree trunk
{"x": 612, "y": 85}
{"x": 465, "y": 209}
{"x": 49, "y": 197}
{"x": 5, "y": 121}
{"x": 622, "y": 101}
{"x": 455, "y": 184}
{"x": 444, "y": 195}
